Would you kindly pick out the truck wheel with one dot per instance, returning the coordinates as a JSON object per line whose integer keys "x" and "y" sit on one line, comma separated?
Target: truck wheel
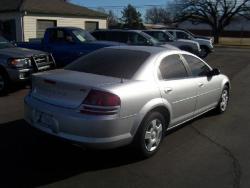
{"x": 4, "y": 83}
{"x": 204, "y": 52}
{"x": 150, "y": 134}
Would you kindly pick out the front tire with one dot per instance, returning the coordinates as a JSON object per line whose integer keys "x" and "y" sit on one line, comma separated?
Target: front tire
{"x": 223, "y": 103}
{"x": 150, "y": 134}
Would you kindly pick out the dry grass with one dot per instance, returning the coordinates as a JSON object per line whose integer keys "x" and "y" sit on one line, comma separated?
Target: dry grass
{"x": 235, "y": 41}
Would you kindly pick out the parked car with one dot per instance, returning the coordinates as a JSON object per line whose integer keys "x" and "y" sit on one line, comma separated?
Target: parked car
{"x": 67, "y": 44}
{"x": 206, "y": 43}
{"x": 129, "y": 37}
{"x": 17, "y": 64}
{"x": 125, "y": 95}
{"x": 165, "y": 37}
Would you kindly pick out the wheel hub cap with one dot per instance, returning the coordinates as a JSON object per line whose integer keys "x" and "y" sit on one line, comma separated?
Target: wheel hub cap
{"x": 224, "y": 100}
{"x": 153, "y": 135}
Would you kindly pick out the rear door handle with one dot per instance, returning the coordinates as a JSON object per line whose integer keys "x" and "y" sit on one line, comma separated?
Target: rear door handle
{"x": 168, "y": 90}
{"x": 200, "y": 84}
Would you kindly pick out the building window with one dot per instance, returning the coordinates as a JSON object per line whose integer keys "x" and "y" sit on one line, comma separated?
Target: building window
{"x": 42, "y": 25}
{"x": 91, "y": 26}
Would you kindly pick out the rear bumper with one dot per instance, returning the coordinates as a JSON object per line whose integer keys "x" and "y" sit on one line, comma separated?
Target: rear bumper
{"x": 101, "y": 132}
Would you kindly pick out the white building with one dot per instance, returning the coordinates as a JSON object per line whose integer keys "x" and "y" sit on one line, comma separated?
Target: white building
{"x": 23, "y": 20}
{"x": 239, "y": 27}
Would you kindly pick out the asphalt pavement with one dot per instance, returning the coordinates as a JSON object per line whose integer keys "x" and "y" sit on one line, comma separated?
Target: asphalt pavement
{"x": 212, "y": 151}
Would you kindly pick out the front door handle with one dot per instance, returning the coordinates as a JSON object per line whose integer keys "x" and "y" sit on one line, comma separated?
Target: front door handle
{"x": 200, "y": 84}
{"x": 168, "y": 90}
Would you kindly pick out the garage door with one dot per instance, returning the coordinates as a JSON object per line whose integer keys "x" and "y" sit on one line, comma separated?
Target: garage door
{"x": 42, "y": 25}
{"x": 91, "y": 26}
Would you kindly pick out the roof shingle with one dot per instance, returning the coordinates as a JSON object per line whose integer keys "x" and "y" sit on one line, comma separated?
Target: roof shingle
{"x": 54, "y": 7}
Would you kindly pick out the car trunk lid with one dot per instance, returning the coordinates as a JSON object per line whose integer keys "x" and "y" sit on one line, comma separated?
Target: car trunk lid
{"x": 67, "y": 88}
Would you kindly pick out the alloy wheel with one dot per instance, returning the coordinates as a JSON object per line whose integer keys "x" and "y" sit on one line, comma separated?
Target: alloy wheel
{"x": 224, "y": 100}
{"x": 153, "y": 135}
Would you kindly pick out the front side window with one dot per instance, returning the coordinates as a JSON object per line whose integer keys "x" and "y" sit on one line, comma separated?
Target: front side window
{"x": 160, "y": 36}
{"x": 198, "y": 68}
{"x": 137, "y": 39}
{"x": 172, "y": 67}
{"x": 82, "y": 36}
{"x": 182, "y": 35}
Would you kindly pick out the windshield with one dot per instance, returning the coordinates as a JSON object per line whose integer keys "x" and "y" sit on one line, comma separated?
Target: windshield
{"x": 82, "y": 35}
{"x": 170, "y": 35}
{"x": 5, "y": 43}
{"x": 192, "y": 35}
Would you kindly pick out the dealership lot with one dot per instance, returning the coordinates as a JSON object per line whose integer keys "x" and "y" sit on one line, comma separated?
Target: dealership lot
{"x": 212, "y": 151}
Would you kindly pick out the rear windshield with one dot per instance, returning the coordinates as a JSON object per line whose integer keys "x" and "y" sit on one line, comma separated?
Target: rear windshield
{"x": 120, "y": 63}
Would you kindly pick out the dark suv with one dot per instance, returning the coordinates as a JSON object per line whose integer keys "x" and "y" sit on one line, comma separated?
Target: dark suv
{"x": 17, "y": 64}
{"x": 130, "y": 37}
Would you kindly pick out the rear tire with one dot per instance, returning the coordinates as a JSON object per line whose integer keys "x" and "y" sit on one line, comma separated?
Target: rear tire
{"x": 4, "y": 83}
{"x": 150, "y": 134}
{"x": 223, "y": 103}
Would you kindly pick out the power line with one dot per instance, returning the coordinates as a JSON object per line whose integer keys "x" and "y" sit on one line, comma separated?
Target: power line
{"x": 122, "y": 6}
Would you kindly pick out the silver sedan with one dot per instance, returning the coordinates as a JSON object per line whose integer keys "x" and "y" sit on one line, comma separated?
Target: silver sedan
{"x": 125, "y": 95}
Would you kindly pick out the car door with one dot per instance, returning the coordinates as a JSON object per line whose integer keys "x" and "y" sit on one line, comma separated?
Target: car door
{"x": 177, "y": 88}
{"x": 208, "y": 86}
{"x": 61, "y": 47}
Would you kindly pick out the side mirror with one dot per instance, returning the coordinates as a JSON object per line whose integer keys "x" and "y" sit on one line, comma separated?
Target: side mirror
{"x": 214, "y": 72}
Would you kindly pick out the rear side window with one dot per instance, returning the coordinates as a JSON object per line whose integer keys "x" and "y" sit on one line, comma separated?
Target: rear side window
{"x": 198, "y": 68}
{"x": 172, "y": 67}
{"x": 120, "y": 63}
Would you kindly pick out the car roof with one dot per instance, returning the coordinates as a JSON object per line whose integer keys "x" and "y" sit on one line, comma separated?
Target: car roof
{"x": 66, "y": 28}
{"x": 178, "y": 29}
{"x": 158, "y": 30}
{"x": 120, "y": 30}
{"x": 153, "y": 50}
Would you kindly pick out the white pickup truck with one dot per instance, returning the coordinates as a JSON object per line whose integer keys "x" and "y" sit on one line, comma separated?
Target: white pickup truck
{"x": 206, "y": 43}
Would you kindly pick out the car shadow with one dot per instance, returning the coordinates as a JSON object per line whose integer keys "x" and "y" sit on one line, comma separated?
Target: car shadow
{"x": 29, "y": 158}
{"x": 16, "y": 88}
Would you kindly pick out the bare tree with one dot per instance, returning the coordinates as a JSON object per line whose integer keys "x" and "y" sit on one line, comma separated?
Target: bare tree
{"x": 156, "y": 15}
{"x": 111, "y": 19}
{"x": 216, "y": 13}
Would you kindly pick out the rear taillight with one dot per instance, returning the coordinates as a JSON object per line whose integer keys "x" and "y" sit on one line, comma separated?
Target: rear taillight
{"x": 101, "y": 103}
